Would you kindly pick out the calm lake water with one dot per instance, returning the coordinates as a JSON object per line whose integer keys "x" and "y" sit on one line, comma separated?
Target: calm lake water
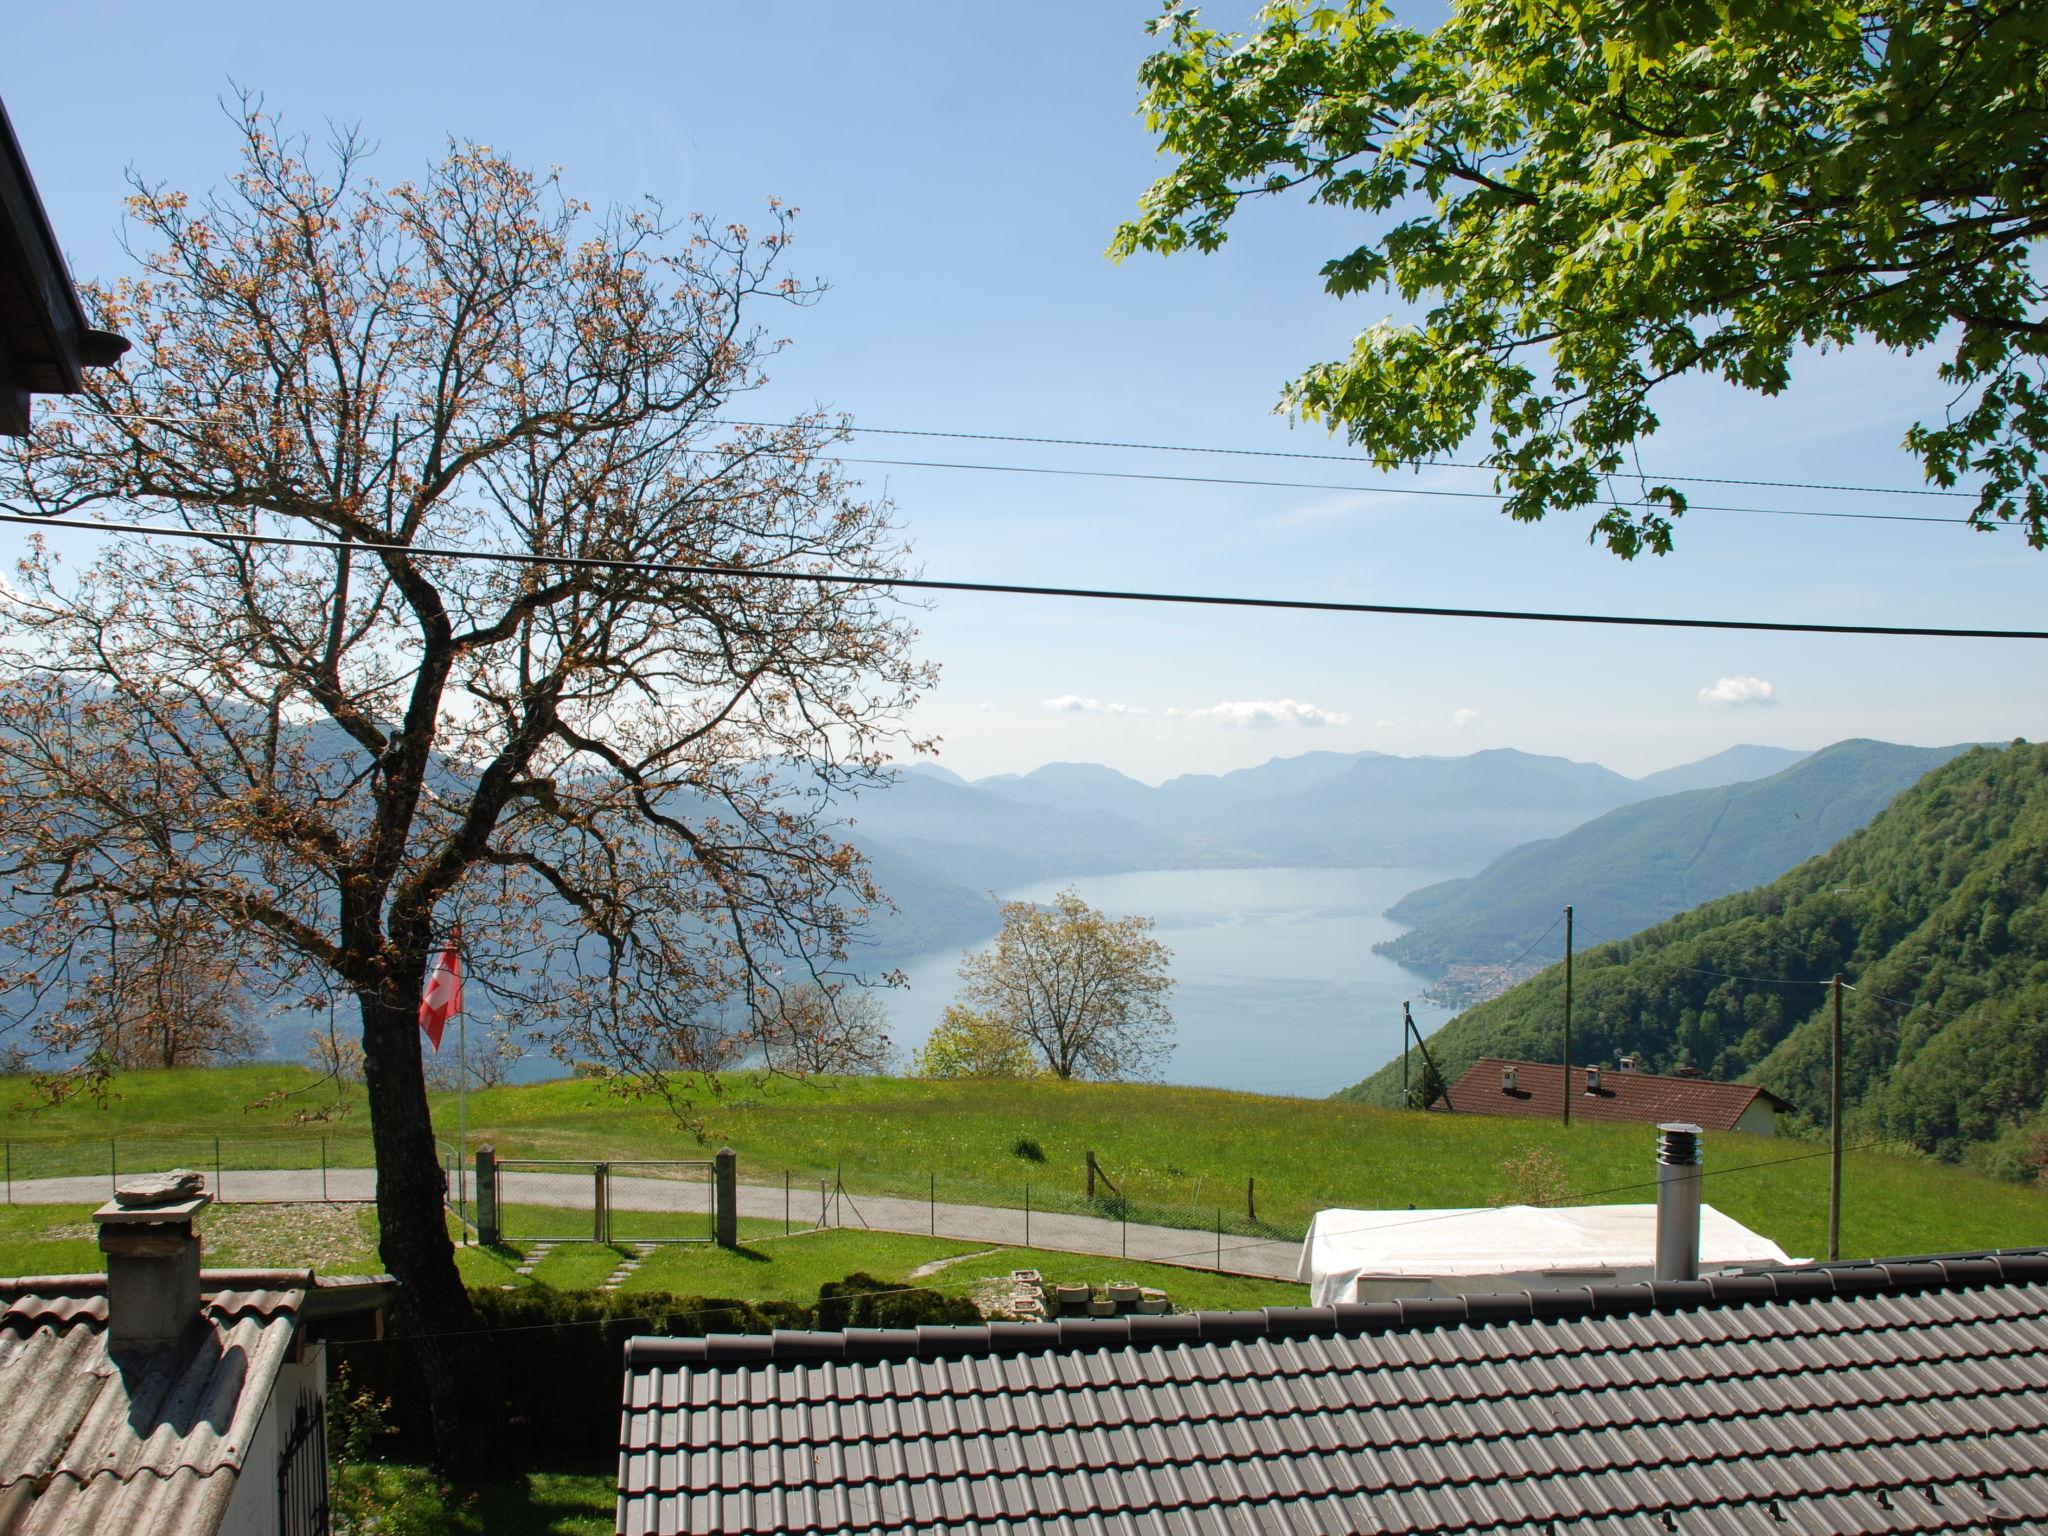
{"x": 1278, "y": 988}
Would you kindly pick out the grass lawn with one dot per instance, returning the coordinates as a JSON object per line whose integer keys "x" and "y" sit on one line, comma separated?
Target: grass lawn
{"x": 1183, "y": 1150}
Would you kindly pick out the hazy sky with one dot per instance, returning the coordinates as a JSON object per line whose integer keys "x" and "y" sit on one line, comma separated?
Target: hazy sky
{"x": 960, "y": 169}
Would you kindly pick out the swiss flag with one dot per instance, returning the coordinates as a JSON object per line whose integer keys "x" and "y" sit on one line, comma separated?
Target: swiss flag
{"x": 443, "y": 998}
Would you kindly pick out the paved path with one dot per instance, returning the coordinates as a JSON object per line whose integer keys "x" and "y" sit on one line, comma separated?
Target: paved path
{"x": 1190, "y": 1248}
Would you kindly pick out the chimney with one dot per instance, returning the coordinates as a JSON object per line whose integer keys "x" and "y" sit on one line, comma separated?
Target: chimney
{"x": 1592, "y": 1079}
{"x": 1507, "y": 1079}
{"x": 1678, "y": 1202}
{"x": 1628, "y": 1063}
{"x": 152, "y": 1259}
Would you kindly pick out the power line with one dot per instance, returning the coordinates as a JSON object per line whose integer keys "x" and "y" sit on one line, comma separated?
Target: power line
{"x": 1381, "y": 490}
{"x": 1337, "y": 458}
{"x": 1018, "y": 589}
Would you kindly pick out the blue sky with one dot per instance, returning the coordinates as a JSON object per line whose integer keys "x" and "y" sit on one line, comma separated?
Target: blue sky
{"x": 960, "y": 169}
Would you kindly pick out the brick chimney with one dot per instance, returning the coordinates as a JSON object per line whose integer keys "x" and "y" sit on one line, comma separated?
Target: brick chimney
{"x": 152, "y": 1260}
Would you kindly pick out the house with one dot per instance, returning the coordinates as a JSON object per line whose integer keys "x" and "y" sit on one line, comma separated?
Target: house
{"x": 1535, "y": 1090}
{"x": 1383, "y": 1255}
{"x": 46, "y": 342}
{"x": 160, "y": 1397}
{"x": 1907, "y": 1395}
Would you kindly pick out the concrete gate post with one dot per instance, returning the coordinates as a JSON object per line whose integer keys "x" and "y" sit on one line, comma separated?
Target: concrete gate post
{"x": 487, "y": 1195}
{"x": 725, "y": 1206}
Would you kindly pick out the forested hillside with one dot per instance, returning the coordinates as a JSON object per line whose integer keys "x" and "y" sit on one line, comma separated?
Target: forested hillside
{"x": 1645, "y": 862}
{"x": 1935, "y": 914}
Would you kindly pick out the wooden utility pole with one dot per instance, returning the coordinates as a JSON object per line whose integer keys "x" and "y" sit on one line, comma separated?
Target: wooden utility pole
{"x": 1835, "y": 1131}
{"x": 1567, "y": 1016}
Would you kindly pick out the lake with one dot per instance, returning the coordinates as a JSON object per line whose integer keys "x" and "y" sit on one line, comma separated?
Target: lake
{"x": 1278, "y": 988}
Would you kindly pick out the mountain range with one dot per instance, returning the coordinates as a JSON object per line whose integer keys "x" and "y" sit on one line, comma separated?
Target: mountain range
{"x": 942, "y": 843}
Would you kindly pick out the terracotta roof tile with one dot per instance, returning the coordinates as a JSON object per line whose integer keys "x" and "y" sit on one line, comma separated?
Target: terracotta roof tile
{"x": 1642, "y": 1097}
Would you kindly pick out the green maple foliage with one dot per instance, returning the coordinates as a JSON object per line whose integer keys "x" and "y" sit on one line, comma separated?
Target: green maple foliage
{"x": 1583, "y": 201}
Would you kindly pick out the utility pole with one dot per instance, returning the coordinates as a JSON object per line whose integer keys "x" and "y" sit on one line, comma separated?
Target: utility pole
{"x": 1835, "y": 1132}
{"x": 1567, "y": 1016}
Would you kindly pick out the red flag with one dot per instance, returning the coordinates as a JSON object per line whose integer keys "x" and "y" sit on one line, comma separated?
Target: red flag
{"x": 443, "y": 998}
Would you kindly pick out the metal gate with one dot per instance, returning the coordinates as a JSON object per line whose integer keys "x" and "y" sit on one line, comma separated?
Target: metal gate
{"x": 579, "y": 1200}
{"x": 662, "y": 1202}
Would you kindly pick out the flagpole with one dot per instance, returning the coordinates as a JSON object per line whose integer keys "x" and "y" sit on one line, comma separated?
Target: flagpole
{"x": 462, "y": 1117}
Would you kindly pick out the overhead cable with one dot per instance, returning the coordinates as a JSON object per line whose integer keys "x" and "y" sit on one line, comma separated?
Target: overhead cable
{"x": 1020, "y": 589}
{"x": 1336, "y": 458}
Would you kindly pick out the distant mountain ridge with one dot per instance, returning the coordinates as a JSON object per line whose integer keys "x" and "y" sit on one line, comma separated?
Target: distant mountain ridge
{"x": 1936, "y": 913}
{"x": 1641, "y": 863}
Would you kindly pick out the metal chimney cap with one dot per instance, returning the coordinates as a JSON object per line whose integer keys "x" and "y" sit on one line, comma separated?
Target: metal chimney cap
{"x": 1678, "y": 1143}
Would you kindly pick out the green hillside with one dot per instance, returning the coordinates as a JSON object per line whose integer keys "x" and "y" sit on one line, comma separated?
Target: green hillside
{"x": 1643, "y": 863}
{"x": 1935, "y": 912}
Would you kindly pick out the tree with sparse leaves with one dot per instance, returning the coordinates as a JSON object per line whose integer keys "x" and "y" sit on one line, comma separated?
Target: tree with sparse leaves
{"x": 1584, "y": 201}
{"x": 810, "y": 1029}
{"x": 1086, "y": 992}
{"x": 608, "y": 747}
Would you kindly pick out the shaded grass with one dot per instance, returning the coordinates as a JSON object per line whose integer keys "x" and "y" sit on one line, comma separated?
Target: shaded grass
{"x": 790, "y": 1268}
{"x": 1182, "y": 1150}
{"x": 402, "y": 1500}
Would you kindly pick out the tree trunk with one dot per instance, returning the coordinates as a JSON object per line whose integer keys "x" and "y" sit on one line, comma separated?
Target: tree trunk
{"x": 432, "y": 1316}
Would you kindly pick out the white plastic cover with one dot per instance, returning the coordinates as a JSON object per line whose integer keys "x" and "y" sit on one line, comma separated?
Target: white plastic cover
{"x": 1378, "y": 1255}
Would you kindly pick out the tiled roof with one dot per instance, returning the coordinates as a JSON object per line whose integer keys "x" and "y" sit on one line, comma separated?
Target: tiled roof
{"x": 1637, "y": 1096}
{"x": 91, "y": 1445}
{"x": 1893, "y": 1397}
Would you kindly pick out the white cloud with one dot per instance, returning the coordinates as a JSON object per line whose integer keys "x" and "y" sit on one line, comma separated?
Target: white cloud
{"x": 1260, "y": 714}
{"x": 1464, "y": 717}
{"x": 986, "y": 706}
{"x": 1074, "y": 704}
{"x": 1732, "y": 691}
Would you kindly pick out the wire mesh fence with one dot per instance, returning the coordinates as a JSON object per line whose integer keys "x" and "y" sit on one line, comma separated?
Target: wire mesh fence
{"x": 244, "y": 1168}
{"x": 1028, "y": 1213}
{"x": 673, "y": 1200}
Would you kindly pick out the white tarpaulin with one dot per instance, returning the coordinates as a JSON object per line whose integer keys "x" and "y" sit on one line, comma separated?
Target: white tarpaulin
{"x": 1379, "y": 1255}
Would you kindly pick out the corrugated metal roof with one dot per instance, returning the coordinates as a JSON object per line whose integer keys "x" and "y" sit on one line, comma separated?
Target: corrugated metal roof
{"x": 92, "y": 1444}
{"x": 1640, "y": 1097}
{"x": 1910, "y": 1396}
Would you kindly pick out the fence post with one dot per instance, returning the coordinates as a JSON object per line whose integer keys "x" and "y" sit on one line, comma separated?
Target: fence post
{"x": 600, "y": 1219}
{"x": 934, "y": 1202}
{"x": 1251, "y": 1209}
{"x": 1219, "y": 1237}
{"x": 10, "y": 1173}
{"x": 1027, "y": 1213}
{"x": 824, "y": 1204}
{"x": 1123, "y": 1208}
{"x": 323, "y": 1169}
{"x": 216, "y": 1169}
{"x": 113, "y": 1167}
{"x": 725, "y": 1205}
{"x": 786, "y": 1227}
{"x": 486, "y": 1195}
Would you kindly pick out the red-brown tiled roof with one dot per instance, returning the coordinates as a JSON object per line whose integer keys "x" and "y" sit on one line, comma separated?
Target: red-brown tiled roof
{"x": 1636, "y": 1096}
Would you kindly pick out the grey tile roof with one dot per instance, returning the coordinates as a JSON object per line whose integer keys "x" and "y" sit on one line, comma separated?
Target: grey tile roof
{"x": 91, "y": 1445}
{"x": 1893, "y": 1397}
